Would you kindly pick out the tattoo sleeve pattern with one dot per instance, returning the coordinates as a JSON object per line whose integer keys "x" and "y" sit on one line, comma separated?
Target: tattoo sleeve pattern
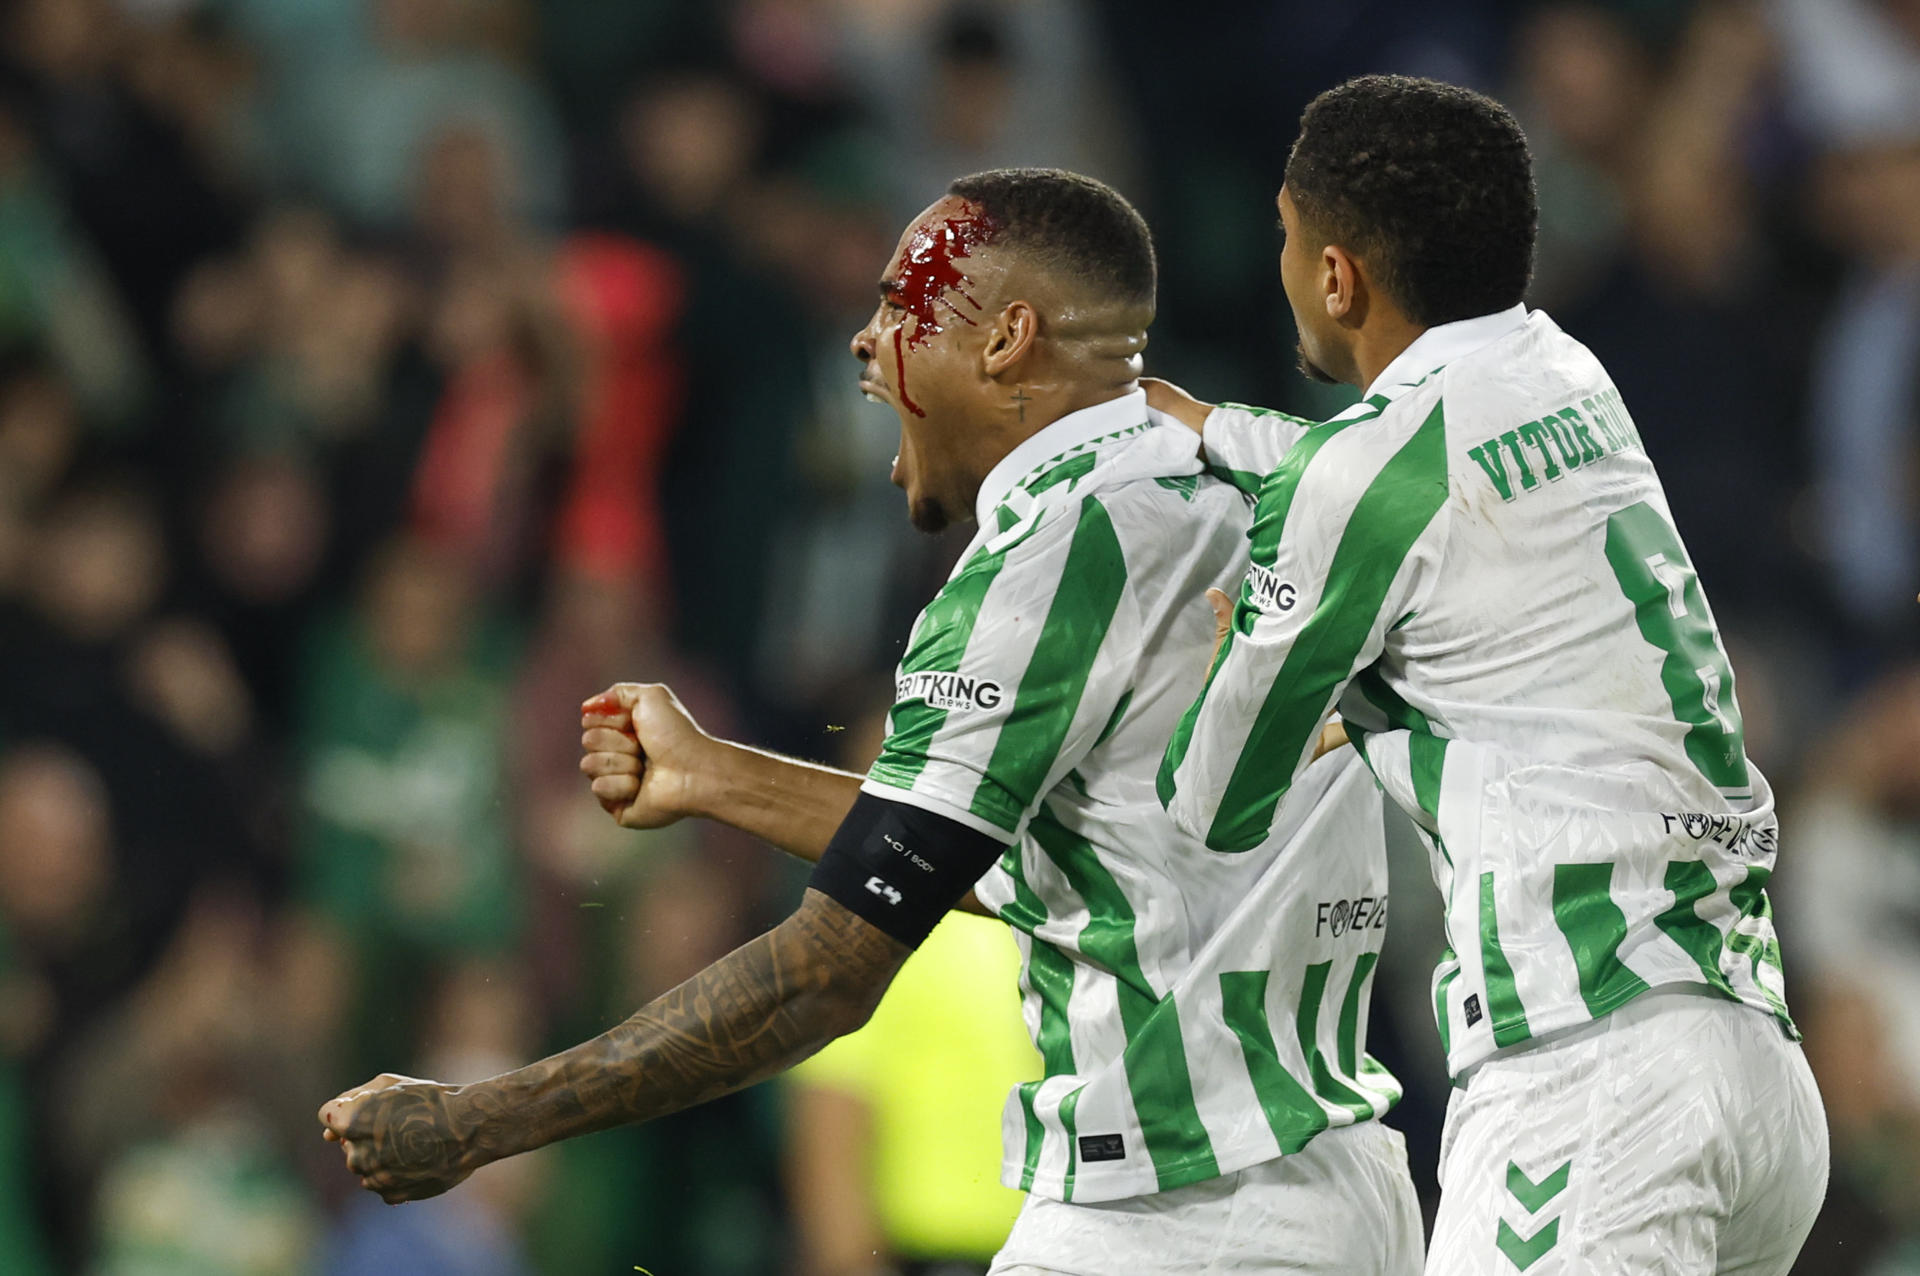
{"x": 752, "y": 1014}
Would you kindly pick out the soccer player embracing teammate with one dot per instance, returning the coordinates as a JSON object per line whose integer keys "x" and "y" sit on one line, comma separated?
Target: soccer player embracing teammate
{"x": 1477, "y": 568}
{"x": 1207, "y": 1104}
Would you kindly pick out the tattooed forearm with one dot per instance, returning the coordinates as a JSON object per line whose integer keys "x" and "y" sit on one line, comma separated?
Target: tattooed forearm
{"x": 753, "y": 1013}
{"x": 750, "y": 1015}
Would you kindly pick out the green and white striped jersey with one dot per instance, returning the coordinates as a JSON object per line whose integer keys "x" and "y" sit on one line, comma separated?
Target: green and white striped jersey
{"x": 1197, "y": 1013}
{"x": 1477, "y": 566}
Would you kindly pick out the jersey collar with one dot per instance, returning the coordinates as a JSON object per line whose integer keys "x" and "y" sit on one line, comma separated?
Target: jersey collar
{"x": 1053, "y": 441}
{"x": 1442, "y": 344}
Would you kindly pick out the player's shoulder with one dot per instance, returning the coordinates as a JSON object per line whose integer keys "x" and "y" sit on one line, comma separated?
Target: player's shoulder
{"x": 1136, "y": 495}
{"x": 1130, "y": 536}
{"x": 1152, "y": 472}
{"x": 1181, "y": 495}
{"x": 1378, "y": 444}
{"x": 1536, "y": 366}
{"x": 1161, "y": 517}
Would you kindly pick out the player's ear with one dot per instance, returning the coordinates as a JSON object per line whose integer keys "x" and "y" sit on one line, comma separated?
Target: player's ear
{"x": 1010, "y": 339}
{"x": 1342, "y": 286}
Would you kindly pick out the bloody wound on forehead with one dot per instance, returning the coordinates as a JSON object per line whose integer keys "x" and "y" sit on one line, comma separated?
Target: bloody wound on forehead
{"x": 927, "y": 275}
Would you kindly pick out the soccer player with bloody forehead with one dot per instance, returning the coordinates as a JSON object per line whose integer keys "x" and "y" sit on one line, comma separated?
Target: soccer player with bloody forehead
{"x": 1207, "y": 1104}
{"x": 1476, "y": 565}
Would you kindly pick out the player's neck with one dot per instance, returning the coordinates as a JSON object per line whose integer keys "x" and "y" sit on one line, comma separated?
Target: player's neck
{"x": 1032, "y": 407}
{"x": 1377, "y": 343}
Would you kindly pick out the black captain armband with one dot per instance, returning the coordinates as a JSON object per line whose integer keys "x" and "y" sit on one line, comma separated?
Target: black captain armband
{"x": 902, "y": 868}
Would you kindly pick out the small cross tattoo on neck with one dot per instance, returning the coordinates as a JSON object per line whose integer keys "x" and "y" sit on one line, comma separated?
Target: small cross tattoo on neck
{"x": 1023, "y": 399}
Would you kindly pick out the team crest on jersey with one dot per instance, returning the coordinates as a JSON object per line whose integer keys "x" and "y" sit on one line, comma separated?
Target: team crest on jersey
{"x": 949, "y": 690}
{"x": 1269, "y": 592}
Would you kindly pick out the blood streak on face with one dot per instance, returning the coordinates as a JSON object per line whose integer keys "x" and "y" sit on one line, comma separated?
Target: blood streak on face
{"x": 927, "y": 275}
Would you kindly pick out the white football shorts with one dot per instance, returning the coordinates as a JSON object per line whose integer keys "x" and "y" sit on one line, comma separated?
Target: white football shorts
{"x": 1681, "y": 1135}
{"x": 1344, "y": 1205}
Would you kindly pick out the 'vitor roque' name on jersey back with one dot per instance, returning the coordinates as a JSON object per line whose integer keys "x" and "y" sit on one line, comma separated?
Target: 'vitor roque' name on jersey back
{"x": 1572, "y": 435}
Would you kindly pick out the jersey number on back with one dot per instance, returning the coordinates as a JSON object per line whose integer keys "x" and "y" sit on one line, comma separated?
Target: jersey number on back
{"x": 1657, "y": 579}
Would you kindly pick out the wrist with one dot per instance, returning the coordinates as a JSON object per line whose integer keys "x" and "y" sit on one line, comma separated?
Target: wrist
{"x": 496, "y": 1119}
{"x": 716, "y": 779}
{"x": 480, "y": 1135}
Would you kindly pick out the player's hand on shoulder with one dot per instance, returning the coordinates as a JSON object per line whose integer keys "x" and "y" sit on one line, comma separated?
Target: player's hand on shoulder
{"x": 1164, "y": 396}
{"x": 641, "y": 752}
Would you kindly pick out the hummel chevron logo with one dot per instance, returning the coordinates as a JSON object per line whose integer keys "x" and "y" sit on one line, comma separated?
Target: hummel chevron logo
{"x": 1525, "y": 1253}
{"x": 1534, "y": 1195}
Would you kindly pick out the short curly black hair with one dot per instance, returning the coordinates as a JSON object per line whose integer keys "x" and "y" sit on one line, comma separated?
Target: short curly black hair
{"x": 1430, "y": 184}
{"x": 1069, "y": 222}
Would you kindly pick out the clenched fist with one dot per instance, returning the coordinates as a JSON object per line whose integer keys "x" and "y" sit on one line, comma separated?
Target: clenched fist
{"x": 405, "y": 1138}
{"x": 643, "y": 753}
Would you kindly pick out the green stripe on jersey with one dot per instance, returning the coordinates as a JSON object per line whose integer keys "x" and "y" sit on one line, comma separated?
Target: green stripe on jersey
{"x": 1049, "y": 974}
{"x": 1691, "y": 881}
{"x": 1400, "y": 715}
{"x": 1276, "y": 496}
{"x": 1389, "y": 517}
{"x": 1292, "y": 1112}
{"x": 1183, "y": 730}
{"x": 1092, "y": 583}
{"x": 1594, "y": 927}
{"x": 1440, "y": 988}
{"x": 1066, "y": 472}
{"x": 1113, "y": 721}
{"x": 1069, "y": 1124}
{"x": 1348, "y": 1040}
{"x": 1276, "y": 502}
{"x": 1671, "y": 611}
{"x": 1325, "y": 1083}
{"x": 1246, "y": 480}
{"x": 1036, "y": 1132}
{"x": 939, "y": 642}
{"x": 1750, "y": 899}
{"x": 1249, "y": 481}
{"x": 1156, "y": 1054}
{"x": 1503, "y": 996}
{"x": 1427, "y": 754}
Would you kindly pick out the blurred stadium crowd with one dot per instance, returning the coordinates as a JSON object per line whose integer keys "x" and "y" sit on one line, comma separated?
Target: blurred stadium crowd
{"x": 380, "y": 377}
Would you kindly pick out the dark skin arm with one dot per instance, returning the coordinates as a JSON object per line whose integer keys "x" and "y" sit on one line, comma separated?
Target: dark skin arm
{"x": 752, "y": 1014}
{"x": 650, "y": 764}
